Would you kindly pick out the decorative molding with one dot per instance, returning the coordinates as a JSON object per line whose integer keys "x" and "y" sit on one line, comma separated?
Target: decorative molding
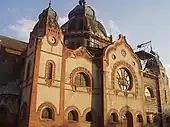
{"x": 113, "y": 47}
{"x": 50, "y": 81}
{"x": 70, "y": 108}
{"x": 53, "y": 40}
{"x": 80, "y": 52}
{"x": 130, "y": 69}
{"x": 73, "y": 75}
{"x": 123, "y": 52}
{"x": 113, "y": 111}
{"x": 94, "y": 114}
{"x": 126, "y": 109}
{"x": 44, "y": 105}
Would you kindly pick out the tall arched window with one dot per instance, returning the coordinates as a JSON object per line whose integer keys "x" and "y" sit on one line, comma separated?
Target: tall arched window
{"x": 73, "y": 115}
{"x": 23, "y": 112}
{"x": 47, "y": 113}
{"x": 154, "y": 119}
{"x": 28, "y": 70}
{"x": 148, "y": 119}
{"x": 82, "y": 79}
{"x": 3, "y": 114}
{"x": 114, "y": 117}
{"x": 49, "y": 70}
{"x": 89, "y": 117}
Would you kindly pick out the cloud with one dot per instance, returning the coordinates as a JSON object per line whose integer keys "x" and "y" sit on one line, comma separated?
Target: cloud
{"x": 114, "y": 28}
{"x": 111, "y": 28}
{"x": 167, "y": 67}
{"x": 22, "y": 28}
{"x": 62, "y": 20}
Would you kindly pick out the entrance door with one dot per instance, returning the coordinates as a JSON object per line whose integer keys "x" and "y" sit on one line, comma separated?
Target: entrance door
{"x": 128, "y": 120}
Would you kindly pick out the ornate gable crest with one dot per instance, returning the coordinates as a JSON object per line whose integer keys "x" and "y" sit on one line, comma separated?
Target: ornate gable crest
{"x": 80, "y": 52}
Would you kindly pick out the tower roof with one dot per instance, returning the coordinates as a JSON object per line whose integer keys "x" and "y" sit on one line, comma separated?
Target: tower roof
{"x": 47, "y": 18}
{"x": 82, "y": 18}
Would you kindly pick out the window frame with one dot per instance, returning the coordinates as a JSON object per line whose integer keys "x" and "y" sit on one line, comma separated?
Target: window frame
{"x": 73, "y": 113}
{"x": 82, "y": 77}
{"x": 51, "y": 112}
{"x": 50, "y": 79}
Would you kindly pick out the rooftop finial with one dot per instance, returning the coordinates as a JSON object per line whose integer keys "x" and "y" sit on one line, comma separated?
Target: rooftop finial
{"x": 82, "y": 2}
{"x": 50, "y": 3}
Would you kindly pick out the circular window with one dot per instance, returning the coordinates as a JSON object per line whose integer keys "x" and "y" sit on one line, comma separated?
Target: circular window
{"x": 124, "y": 79}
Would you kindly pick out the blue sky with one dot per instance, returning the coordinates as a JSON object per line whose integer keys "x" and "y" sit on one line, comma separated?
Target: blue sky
{"x": 138, "y": 20}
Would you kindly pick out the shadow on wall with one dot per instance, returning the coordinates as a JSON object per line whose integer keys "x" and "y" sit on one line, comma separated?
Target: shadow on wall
{"x": 97, "y": 103}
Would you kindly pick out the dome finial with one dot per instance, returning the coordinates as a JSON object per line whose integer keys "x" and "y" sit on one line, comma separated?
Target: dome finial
{"x": 82, "y": 2}
{"x": 50, "y": 3}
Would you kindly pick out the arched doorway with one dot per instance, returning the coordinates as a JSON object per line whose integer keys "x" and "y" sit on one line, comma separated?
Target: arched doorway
{"x": 127, "y": 119}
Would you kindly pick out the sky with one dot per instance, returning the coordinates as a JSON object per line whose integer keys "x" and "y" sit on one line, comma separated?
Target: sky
{"x": 139, "y": 20}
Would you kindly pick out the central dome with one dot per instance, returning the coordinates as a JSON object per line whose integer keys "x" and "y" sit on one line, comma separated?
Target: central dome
{"x": 82, "y": 10}
{"x": 82, "y": 18}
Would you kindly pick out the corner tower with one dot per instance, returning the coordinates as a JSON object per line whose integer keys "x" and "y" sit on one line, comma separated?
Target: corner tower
{"x": 40, "y": 99}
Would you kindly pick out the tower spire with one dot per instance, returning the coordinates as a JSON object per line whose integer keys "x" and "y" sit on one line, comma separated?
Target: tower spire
{"x": 50, "y": 3}
{"x": 82, "y": 2}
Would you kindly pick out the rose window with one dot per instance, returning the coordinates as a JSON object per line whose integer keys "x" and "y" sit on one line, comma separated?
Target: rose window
{"x": 124, "y": 79}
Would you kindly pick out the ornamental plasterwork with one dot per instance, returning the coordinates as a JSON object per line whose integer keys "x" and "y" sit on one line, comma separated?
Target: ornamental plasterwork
{"x": 72, "y": 80}
{"x": 80, "y": 52}
{"x": 131, "y": 70}
{"x": 113, "y": 47}
{"x": 123, "y": 52}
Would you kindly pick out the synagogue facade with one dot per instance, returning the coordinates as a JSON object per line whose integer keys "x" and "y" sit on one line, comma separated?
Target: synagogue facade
{"x": 74, "y": 75}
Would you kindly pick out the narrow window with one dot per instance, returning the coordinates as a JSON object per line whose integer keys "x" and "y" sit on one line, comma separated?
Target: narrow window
{"x": 154, "y": 119}
{"x": 148, "y": 119}
{"x": 47, "y": 113}
{"x": 165, "y": 96}
{"x": 49, "y": 71}
{"x": 28, "y": 70}
{"x": 23, "y": 111}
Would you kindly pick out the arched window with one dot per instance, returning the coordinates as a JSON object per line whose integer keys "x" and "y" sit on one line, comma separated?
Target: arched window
{"x": 154, "y": 119}
{"x": 73, "y": 115}
{"x": 82, "y": 79}
{"x": 23, "y": 112}
{"x": 148, "y": 119}
{"x": 47, "y": 113}
{"x": 139, "y": 118}
{"x": 114, "y": 117}
{"x": 28, "y": 70}
{"x": 89, "y": 117}
{"x": 49, "y": 71}
{"x": 149, "y": 92}
{"x": 124, "y": 79}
